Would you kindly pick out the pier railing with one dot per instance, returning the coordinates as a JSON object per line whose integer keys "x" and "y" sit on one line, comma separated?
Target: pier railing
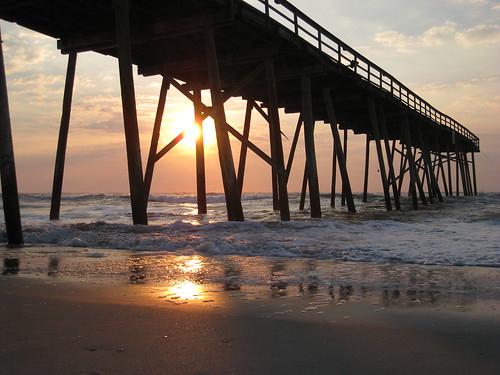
{"x": 304, "y": 27}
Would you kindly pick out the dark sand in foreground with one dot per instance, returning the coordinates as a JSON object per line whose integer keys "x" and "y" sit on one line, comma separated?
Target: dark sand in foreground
{"x": 71, "y": 326}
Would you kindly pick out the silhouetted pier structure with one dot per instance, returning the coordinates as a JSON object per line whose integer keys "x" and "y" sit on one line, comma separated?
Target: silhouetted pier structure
{"x": 273, "y": 56}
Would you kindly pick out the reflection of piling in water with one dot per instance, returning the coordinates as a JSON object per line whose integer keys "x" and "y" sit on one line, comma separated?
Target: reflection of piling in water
{"x": 10, "y": 266}
{"x": 137, "y": 275}
{"x": 278, "y": 281}
{"x": 232, "y": 276}
{"x": 53, "y": 268}
{"x": 345, "y": 292}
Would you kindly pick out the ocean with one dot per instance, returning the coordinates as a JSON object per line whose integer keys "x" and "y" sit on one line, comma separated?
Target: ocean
{"x": 462, "y": 231}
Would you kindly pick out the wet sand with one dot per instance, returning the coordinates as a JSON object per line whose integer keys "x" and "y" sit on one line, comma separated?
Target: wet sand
{"x": 139, "y": 319}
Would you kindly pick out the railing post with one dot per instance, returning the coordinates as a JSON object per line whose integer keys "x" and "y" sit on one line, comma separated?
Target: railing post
{"x": 296, "y": 23}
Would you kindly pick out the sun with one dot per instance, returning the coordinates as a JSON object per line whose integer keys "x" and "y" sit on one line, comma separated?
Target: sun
{"x": 183, "y": 121}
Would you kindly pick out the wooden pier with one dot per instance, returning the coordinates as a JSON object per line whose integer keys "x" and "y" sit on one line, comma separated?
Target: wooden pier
{"x": 274, "y": 57}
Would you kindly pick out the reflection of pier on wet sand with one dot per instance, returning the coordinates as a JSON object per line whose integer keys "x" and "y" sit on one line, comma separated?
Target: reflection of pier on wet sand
{"x": 109, "y": 310}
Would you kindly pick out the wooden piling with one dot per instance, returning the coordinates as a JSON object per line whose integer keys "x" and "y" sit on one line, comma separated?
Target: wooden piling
{"x": 402, "y": 168}
{"x": 274, "y": 171}
{"x": 341, "y": 154}
{"x": 462, "y": 172}
{"x": 333, "y": 190}
{"x": 307, "y": 114}
{"x": 244, "y": 145}
{"x": 450, "y": 181}
{"x": 342, "y": 198}
{"x": 367, "y": 169}
{"x": 293, "y": 148}
{"x": 432, "y": 182}
{"x": 201, "y": 190}
{"x": 376, "y": 135}
{"x": 411, "y": 161}
{"x": 468, "y": 180}
{"x": 155, "y": 137}
{"x": 10, "y": 194}
{"x": 457, "y": 171}
{"x": 136, "y": 182}
{"x": 276, "y": 142}
{"x": 474, "y": 176}
{"x": 231, "y": 190}
{"x": 390, "y": 160}
{"x": 55, "y": 204}
{"x": 443, "y": 176}
{"x": 303, "y": 190}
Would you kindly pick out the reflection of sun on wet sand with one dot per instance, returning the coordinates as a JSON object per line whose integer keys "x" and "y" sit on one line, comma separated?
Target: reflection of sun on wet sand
{"x": 185, "y": 290}
{"x": 196, "y": 314}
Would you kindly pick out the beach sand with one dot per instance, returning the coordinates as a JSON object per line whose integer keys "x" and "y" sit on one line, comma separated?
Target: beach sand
{"x": 71, "y": 323}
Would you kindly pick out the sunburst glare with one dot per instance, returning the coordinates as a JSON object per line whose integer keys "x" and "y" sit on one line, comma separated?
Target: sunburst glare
{"x": 183, "y": 121}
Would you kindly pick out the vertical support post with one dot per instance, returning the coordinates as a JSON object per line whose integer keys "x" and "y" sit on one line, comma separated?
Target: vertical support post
{"x": 390, "y": 160}
{"x": 457, "y": 170}
{"x": 55, "y": 204}
{"x": 462, "y": 171}
{"x": 201, "y": 190}
{"x": 450, "y": 182}
{"x": 423, "y": 180}
{"x": 411, "y": 164}
{"x": 367, "y": 169}
{"x": 426, "y": 176}
{"x": 155, "y": 137}
{"x": 10, "y": 194}
{"x": 334, "y": 170}
{"x": 443, "y": 175}
{"x": 342, "y": 200}
{"x": 276, "y": 142}
{"x": 244, "y": 145}
{"x": 307, "y": 114}
{"x": 376, "y": 134}
{"x": 467, "y": 175}
{"x": 274, "y": 173}
{"x": 233, "y": 198}
{"x": 402, "y": 168}
{"x": 136, "y": 182}
{"x": 341, "y": 158}
{"x": 474, "y": 176}
{"x": 434, "y": 187}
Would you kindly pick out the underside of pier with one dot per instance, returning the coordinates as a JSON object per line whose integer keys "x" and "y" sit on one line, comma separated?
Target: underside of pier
{"x": 274, "y": 57}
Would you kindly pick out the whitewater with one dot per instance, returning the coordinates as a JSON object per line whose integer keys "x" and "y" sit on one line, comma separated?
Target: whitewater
{"x": 462, "y": 231}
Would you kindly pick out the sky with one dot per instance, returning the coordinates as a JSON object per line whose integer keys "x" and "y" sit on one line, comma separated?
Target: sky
{"x": 447, "y": 51}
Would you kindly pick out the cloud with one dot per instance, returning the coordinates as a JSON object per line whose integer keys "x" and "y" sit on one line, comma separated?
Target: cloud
{"x": 481, "y": 34}
{"x": 473, "y": 2}
{"x": 393, "y": 39}
{"x": 26, "y": 51}
{"x": 438, "y": 36}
